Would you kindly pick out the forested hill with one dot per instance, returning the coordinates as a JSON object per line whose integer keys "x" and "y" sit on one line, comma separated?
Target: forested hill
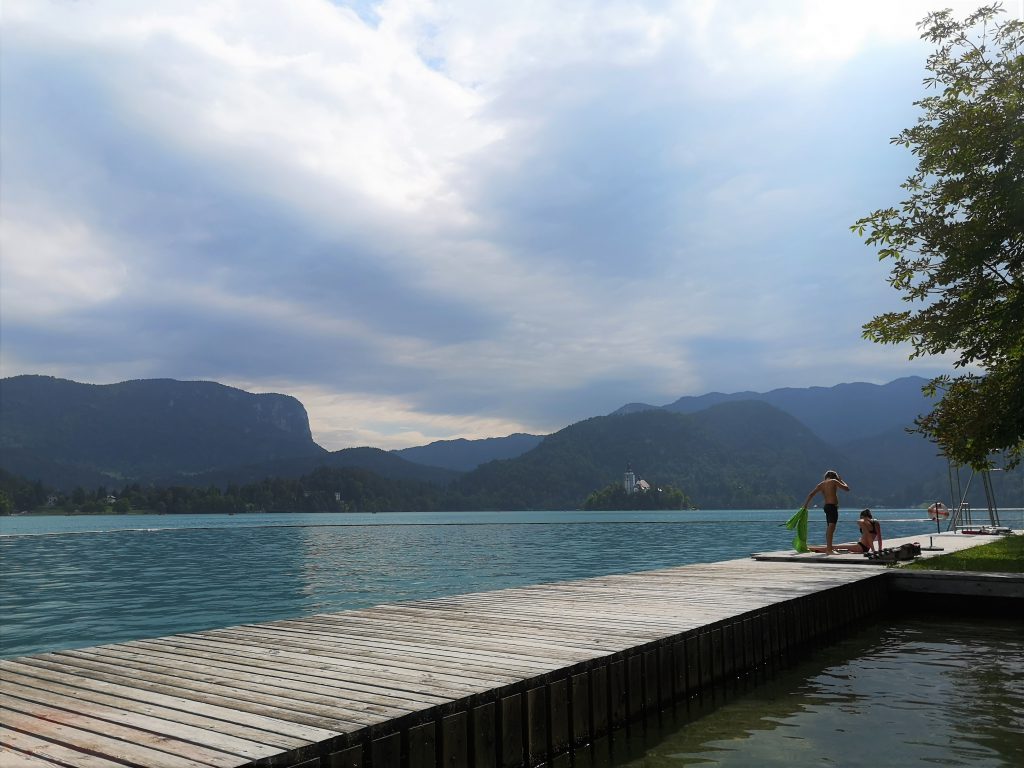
{"x": 743, "y": 454}
{"x": 732, "y": 454}
{"x": 52, "y": 429}
{"x": 384, "y": 464}
{"x": 845, "y": 412}
{"x": 463, "y": 455}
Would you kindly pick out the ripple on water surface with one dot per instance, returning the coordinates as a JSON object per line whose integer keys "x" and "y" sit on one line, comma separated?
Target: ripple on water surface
{"x": 915, "y": 693}
{"x": 145, "y": 576}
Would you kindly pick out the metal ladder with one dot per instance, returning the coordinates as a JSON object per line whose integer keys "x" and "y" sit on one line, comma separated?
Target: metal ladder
{"x": 962, "y": 517}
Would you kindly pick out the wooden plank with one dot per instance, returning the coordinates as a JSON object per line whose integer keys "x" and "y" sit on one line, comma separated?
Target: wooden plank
{"x": 357, "y": 673}
{"x": 518, "y": 625}
{"x": 178, "y": 743}
{"x": 282, "y": 733}
{"x": 10, "y": 758}
{"x": 85, "y": 740}
{"x": 33, "y": 701}
{"x": 274, "y": 718}
{"x": 464, "y": 634}
{"x": 52, "y": 753}
{"x": 443, "y": 653}
{"x": 84, "y": 698}
{"x": 333, "y": 659}
{"x": 331, "y": 686}
{"x": 430, "y": 658}
{"x": 308, "y": 698}
{"x": 315, "y": 709}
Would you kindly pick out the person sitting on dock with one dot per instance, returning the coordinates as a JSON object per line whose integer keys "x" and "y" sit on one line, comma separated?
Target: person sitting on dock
{"x": 870, "y": 532}
{"x": 829, "y": 489}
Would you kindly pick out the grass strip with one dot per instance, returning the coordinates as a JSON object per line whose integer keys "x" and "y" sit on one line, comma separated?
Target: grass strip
{"x": 1004, "y": 555}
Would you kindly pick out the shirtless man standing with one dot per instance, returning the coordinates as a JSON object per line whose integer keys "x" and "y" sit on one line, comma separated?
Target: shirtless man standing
{"x": 828, "y": 488}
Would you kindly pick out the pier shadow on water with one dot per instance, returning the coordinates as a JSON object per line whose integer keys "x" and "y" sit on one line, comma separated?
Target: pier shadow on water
{"x": 919, "y": 691}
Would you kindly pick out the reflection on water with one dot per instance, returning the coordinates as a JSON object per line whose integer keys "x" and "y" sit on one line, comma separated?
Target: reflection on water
{"x": 62, "y": 586}
{"x": 63, "y": 591}
{"x": 911, "y": 693}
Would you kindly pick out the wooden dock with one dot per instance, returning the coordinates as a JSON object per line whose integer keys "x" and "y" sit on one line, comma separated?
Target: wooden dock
{"x": 515, "y": 677}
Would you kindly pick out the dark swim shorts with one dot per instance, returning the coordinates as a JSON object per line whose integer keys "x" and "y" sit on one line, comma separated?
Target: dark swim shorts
{"x": 831, "y": 513}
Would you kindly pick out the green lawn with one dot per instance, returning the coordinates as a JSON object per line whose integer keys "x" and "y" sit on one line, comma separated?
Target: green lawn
{"x": 1004, "y": 555}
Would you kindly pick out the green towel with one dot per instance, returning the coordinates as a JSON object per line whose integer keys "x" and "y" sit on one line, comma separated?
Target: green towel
{"x": 798, "y": 522}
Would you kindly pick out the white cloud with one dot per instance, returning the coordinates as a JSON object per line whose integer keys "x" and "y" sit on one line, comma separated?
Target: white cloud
{"x": 584, "y": 192}
{"x": 55, "y": 264}
{"x": 299, "y": 101}
{"x": 369, "y": 419}
{"x": 756, "y": 41}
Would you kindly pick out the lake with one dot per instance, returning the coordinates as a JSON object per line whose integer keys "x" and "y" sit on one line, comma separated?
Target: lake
{"x": 73, "y": 581}
{"x": 916, "y": 693}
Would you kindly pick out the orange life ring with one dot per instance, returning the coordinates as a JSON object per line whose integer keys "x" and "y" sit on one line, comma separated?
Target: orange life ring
{"x": 937, "y": 510}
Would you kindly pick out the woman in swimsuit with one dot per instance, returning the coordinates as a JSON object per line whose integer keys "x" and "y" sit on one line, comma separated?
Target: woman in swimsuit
{"x": 870, "y": 532}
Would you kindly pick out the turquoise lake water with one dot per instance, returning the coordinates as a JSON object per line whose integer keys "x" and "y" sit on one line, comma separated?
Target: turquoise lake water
{"x": 79, "y": 581}
{"x": 911, "y": 692}
{"x": 917, "y": 693}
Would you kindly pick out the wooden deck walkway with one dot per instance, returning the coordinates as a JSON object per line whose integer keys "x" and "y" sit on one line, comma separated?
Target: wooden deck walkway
{"x": 487, "y": 680}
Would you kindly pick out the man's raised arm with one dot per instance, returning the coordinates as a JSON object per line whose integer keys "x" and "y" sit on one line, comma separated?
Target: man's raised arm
{"x": 812, "y": 494}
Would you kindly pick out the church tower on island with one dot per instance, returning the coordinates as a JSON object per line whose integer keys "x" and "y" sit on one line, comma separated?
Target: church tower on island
{"x": 629, "y": 479}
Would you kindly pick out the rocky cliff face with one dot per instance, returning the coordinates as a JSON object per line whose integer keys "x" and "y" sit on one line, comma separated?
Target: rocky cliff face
{"x": 283, "y": 412}
{"x": 140, "y": 430}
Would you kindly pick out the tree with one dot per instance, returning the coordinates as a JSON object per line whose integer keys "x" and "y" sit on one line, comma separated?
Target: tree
{"x": 614, "y": 497}
{"x": 956, "y": 244}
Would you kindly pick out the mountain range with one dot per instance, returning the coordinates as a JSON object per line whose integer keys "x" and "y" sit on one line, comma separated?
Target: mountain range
{"x": 741, "y": 450}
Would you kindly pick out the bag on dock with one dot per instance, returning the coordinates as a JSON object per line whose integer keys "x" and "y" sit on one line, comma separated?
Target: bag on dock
{"x": 908, "y": 551}
{"x": 896, "y": 554}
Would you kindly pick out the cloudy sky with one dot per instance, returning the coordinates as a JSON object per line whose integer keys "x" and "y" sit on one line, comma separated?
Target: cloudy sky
{"x": 453, "y": 218}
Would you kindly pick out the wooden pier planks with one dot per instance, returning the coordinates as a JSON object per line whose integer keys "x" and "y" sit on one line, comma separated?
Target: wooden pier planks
{"x": 285, "y": 692}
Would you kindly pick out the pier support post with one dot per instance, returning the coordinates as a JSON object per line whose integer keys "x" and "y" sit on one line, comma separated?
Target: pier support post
{"x": 455, "y": 741}
{"x": 386, "y": 752}
{"x": 580, "y": 687}
{"x": 635, "y": 686}
{"x": 558, "y": 725}
{"x": 600, "y": 700}
{"x": 537, "y": 725}
{"x": 484, "y": 725}
{"x": 618, "y": 693}
{"x": 422, "y": 746}
{"x": 666, "y": 677}
{"x": 346, "y": 758}
{"x": 692, "y": 652}
{"x": 513, "y": 750}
